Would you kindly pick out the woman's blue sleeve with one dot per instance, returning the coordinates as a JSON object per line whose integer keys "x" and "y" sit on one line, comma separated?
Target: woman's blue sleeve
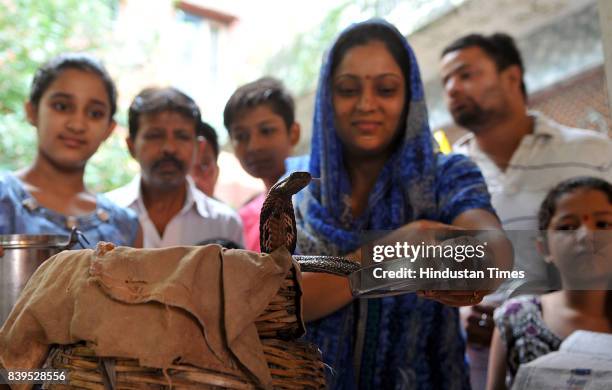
{"x": 460, "y": 187}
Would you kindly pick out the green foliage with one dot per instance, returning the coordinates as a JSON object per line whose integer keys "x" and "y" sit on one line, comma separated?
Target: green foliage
{"x": 17, "y": 141}
{"x": 31, "y": 32}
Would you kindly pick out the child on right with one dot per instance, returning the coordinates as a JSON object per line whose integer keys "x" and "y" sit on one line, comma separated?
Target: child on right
{"x": 260, "y": 119}
{"x": 575, "y": 222}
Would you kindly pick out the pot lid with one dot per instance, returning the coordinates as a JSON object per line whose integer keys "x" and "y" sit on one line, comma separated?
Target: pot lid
{"x": 18, "y": 241}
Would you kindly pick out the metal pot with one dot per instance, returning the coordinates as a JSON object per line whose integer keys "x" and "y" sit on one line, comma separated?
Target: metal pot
{"x": 23, "y": 254}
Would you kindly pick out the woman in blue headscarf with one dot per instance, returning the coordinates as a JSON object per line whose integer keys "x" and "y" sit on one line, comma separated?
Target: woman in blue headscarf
{"x": 374, "y": 154}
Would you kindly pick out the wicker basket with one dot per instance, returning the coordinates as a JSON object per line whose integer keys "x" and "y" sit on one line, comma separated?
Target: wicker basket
{"x": 282, "y": 317}
{"x": 293, "y": 365}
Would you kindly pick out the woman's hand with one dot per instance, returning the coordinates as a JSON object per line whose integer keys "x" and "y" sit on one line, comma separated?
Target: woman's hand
{"x": 428, "y": 232}
{"x": 454, "y": 298}
{"x": 432, "y": 232}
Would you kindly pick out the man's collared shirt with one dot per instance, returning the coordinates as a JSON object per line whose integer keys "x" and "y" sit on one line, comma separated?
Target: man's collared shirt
{"x": 549, "y": 155}
{"x": 201, "y": 218}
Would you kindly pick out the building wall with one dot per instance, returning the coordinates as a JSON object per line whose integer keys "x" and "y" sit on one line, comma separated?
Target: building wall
{"x": 304, "y": 113}
{"x": 581, "y": 101}
{"x": 174, "y": 47}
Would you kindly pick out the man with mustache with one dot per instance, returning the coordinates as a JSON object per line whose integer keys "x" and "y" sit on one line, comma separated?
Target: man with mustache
{"x": 260, "y": 119}
{"x": 172, "y": 211}
{"x": 522, "y": 155}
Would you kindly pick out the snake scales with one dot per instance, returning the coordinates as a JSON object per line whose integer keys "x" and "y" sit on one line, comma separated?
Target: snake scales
{"x": 277, "y": 227}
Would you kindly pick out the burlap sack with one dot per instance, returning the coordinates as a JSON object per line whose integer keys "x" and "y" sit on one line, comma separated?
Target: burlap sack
{"x": 194, "y": 305}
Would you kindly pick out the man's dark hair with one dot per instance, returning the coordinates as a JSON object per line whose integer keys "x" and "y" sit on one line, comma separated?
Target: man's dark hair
{"x": 500, "y": 47}
{"x": 155, "y": 100}
{"x": 210, "y": 135}
{"x": 266, "y": 90}
{"x": 48, "y": 72}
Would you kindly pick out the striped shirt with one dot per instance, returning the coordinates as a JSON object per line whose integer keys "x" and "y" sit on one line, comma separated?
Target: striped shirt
{"x": 549, "y": 155}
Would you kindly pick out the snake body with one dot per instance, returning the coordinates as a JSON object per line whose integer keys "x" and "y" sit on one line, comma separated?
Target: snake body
{"x": 327, "y": 264}
{"x": 277, "y": 227}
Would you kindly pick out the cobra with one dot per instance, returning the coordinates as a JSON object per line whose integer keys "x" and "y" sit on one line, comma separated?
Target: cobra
{"x": 277, "y": 227}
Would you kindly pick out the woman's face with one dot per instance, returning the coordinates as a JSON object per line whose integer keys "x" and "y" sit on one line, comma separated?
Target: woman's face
{"x": 580, "y": 238}
{"x": 72, "y": 118}
{"x": 369, "y": 93}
